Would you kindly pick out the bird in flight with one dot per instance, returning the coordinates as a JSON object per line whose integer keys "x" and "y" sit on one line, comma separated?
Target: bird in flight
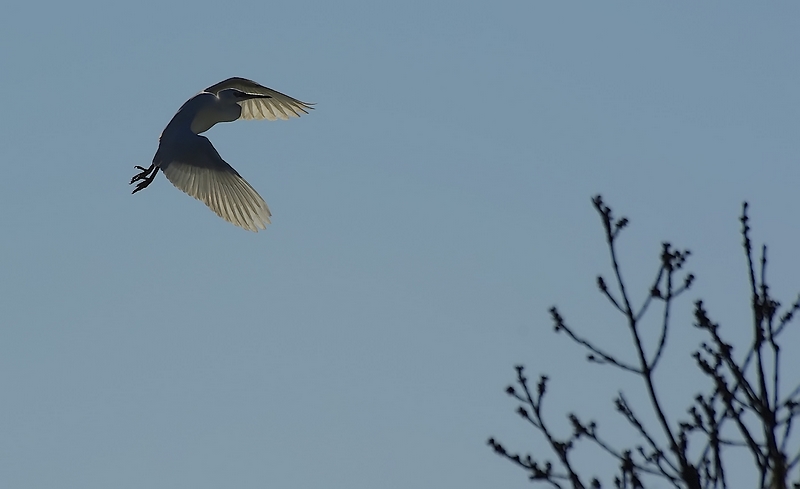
{"x": 191, "y": 163}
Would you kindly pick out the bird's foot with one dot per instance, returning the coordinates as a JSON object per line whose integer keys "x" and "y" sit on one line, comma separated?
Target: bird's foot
{"x": 145, "y": 177}
{"x": 143, "y": 174}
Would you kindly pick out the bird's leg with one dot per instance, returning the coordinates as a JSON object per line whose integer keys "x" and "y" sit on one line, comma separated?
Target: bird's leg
{"x": 145, "y": 177}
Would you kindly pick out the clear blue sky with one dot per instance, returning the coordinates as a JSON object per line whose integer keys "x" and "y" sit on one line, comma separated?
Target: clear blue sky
{"x": 425, "y": 216}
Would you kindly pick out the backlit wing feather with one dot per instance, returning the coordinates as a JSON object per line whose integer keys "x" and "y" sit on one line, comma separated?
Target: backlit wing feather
{"x": 199, "y": 171}
{"x": 278, "y": 106}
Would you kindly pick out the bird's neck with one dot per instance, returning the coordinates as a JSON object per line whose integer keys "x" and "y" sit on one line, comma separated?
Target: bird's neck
{"x": 206, "y": 109}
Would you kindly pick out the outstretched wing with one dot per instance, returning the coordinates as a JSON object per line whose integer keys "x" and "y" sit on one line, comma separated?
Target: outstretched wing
{"x": 199, "y": 171}
{"x": 278, "y": 106}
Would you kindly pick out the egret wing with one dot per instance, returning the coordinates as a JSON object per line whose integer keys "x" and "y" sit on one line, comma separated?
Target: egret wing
{"x": 278, "y": 106}
{"x": 203, "y": 174}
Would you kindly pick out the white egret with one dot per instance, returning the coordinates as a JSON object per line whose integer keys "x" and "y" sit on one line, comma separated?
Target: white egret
{"x": 191, "y": 163}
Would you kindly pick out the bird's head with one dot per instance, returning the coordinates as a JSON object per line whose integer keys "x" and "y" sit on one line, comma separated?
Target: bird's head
{"x": 236, "y": 95}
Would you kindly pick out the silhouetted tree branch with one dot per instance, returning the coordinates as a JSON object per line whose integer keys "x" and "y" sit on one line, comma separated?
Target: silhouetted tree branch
{"x": 743, "y": 409}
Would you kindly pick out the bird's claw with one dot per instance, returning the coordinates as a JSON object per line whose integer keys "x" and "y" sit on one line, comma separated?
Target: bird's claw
{"x": 146, "y": 175}
{"x": 141, "y": 186}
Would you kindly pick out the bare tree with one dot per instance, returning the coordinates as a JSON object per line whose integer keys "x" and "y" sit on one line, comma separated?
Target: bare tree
{"x": 744, "y": 408}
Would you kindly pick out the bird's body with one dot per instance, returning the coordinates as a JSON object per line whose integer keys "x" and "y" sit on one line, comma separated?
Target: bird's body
{"x": 190, "y": 161}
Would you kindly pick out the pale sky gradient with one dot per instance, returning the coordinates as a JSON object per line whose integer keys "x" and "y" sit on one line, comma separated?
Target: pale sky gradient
{"x": 425, "y": 217}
